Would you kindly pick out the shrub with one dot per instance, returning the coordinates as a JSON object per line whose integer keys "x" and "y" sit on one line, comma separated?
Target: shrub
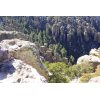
{"x": 73, "y": 72}
{"x": 86, "y": 68}
{"x": 97, "y": 72}
{"x": 79, "y": 70}
{"x": 63, "y": 73}
{"x": 88, "y": 76}
{"x": 85, "y": 78}
{"x": 59, "y": 71}
{"x": 59, "y": 79}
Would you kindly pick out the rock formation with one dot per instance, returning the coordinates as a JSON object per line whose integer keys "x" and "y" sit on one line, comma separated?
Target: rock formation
{"x": 20, "y": 62}
{"x": 17, "y": 71}
{"x": 92, "y": 58}
{"x": 48, "y": 55}
{"x": 95, "y": 52}
{"x": 14, "y": 34}
{"x": 95, "y": 80}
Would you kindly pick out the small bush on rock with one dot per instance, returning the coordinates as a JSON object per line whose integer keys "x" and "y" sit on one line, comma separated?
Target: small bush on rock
{"x": 59, "y": 72}
{"x": 85, "y": 78}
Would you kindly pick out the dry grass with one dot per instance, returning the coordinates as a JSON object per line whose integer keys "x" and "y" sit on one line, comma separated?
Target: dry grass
{"x": 27, "y": 56}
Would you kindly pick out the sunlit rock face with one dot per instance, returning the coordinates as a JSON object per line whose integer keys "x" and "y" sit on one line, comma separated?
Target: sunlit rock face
{"x": 93, "y": 58}
{"x": 17, "y": 71}
{"x": 95, "y": 80}
{"x": 95, "y": 52}
{"x": 88, "y": 58}
{"x": 26, "y": 55}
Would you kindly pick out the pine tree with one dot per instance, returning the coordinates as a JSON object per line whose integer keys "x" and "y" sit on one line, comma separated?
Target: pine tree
{"x": 63, "y": 52}
{"x": 72, "y": 59}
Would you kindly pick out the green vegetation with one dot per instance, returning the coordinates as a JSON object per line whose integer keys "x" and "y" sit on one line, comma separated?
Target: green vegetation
{"x": 71, "y": 59}
{"x": 65, "y": 36}
{"x": 64, "y": 73}
{"x": 79, "y": 70}
{"x": 63, "y": 52}
{"x": 59, "y": 71}
{"x": 76, "y": 34}
{"x": 85, "y": 78}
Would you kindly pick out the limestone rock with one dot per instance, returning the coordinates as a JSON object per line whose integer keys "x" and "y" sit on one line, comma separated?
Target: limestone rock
{"x": 16, "y": 71}
{"x": 93, "y": 58}
{"x": 95, "y": 80}
{"x": 22, "y": 50}
{"x": 95, "y": 52}
{"x": 89, "y": 59}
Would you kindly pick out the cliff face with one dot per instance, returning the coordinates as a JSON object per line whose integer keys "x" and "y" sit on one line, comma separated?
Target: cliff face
{"x": 20, "y": 60}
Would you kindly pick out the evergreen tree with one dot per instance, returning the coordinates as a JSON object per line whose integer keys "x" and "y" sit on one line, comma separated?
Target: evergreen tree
{"x": 40, "y": 38}
{"x": 63, "y": 52}
{"x": 72, "y": 59}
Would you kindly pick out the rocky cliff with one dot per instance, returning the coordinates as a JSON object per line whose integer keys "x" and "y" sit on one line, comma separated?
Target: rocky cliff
{"x": 93, "y": 57}
{"x": 19, "y": 59}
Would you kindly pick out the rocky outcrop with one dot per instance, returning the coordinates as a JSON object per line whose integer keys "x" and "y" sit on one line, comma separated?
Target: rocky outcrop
{"x": 17, "y": 71}
{"x": 95, "y": 52}
{"x": 24, "y": 52}
{"x": 92, "y": 58}
{"x": 88, "y": 58}
{"x": 48, "y": 55}
{"x": 95, "y": 80}
{"x": 14, "y": 34}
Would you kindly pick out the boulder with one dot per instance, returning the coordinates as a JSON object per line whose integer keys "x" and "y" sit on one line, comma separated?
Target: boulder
{"x": 89, "y": 59}
{"x": 95, "y": 52}
{"x": 95, "y": 80}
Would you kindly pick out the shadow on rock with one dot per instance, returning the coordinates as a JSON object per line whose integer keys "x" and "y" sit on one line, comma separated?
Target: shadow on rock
{"x": 6, "y": 68}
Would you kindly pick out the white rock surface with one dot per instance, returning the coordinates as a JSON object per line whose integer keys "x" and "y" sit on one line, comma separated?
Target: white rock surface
{"x": 95, "y": 52}
{"x": 76, "y": 80}
{"x": 95, "y": 80}
{"x": 16, "y": 71}
{"x": 88, "y": 58}
{"x": 20, "y": 62}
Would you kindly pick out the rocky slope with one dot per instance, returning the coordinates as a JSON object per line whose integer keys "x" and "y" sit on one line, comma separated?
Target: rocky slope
{"x": 20, "y": 61}
{"x": 94, "y": 59}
